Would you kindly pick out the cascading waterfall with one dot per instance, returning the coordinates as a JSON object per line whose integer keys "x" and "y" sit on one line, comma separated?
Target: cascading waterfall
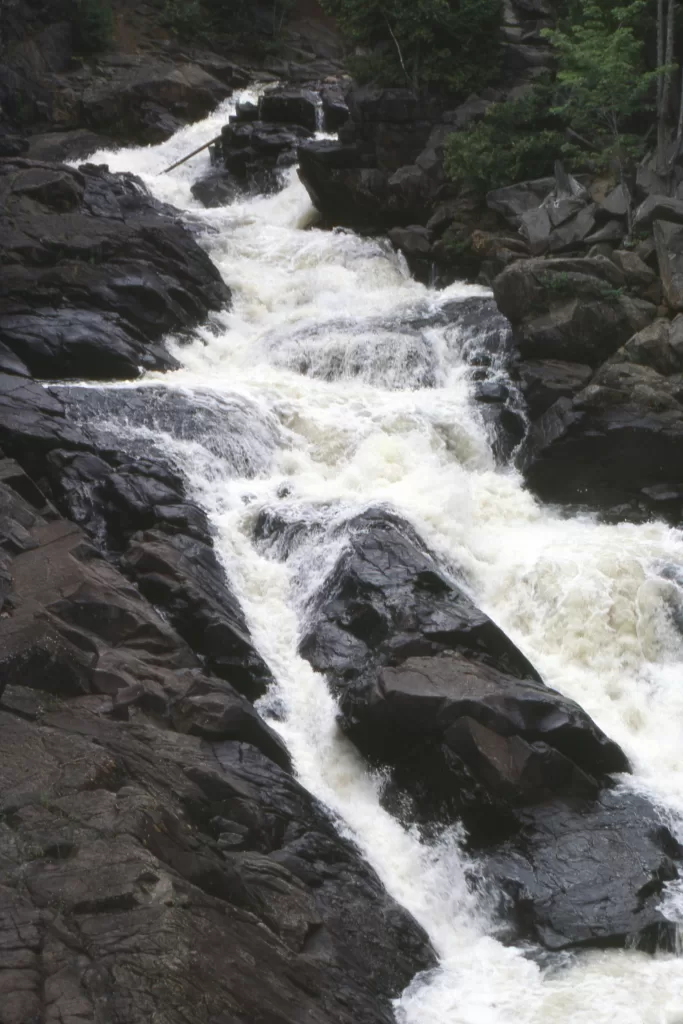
{"x": 352, "y": 393}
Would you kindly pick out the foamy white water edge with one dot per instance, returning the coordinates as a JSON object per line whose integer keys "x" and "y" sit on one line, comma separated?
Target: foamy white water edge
{"x": 591, "y": 605}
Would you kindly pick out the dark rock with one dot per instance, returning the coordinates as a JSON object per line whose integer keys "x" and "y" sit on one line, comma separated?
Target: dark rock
{"x": 200, "y": 849}
{"x": 613, "y": 231}
{"x": 669, "y": 241}
{"x": 254, "y": 152}
{"x": 150, "y": 102}
{"x": 615, "y": 440}
{"x": 546, "y": 380}
{"x": 217, "y": 188}
{"x": 658, "y": 208}
{"x": 334, "y": 108}
{"x": 513, "y": 201}
{"x": 432, "y": 688}
{"x": 413, "y": 241}
{"x": 12, "y": 144}
{"x": 659, "y": 346}
{"x": 616, "y": 849}
{"x": 574, "y": 310}
{"x": 62, "y": 146}
{"x": 32, "y": 418}
{"x": 96, "y": 272}
{"x": 429, "y": 685}
{"x": 615, "y": 204}
{"x": 182, "y": 575}
{"x": 290, "y": 107}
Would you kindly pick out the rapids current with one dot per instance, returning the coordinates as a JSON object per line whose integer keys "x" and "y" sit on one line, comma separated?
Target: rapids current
{"x": 334, "y": 401}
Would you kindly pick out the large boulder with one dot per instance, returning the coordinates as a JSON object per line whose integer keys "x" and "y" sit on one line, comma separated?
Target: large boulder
{"x": 430, "y": 685}
{"x": 254, "y": 152}
{"x": 617, "y": 445}
{"x": 290, "y": 106}
{"x": 150, "y": 101}
{"x": 669, "y": 241}
{"x": 96, "y": 272}
{"x": 612, "y": 856}
{"x": 571, "y": 309}
{"x": 433, "y": 690}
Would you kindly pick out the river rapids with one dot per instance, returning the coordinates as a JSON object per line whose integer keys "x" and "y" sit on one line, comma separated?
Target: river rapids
{"x": 334, "y": 401}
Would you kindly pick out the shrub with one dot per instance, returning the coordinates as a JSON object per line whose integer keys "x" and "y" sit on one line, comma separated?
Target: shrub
{"x": 424, "y": 42}
{"x": 93, "y": 25}
{"x": 183, "y": 17}
{"x": 516, "y": 140}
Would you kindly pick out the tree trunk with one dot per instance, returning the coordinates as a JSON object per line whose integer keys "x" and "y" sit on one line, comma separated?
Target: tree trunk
{"x": 664, "y": 46}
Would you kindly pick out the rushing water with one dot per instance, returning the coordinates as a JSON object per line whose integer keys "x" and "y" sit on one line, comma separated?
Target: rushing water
{"x": 333, "y": 401}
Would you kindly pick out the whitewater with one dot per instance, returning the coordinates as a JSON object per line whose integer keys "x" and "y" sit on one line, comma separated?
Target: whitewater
{"x": 326, "y": 413}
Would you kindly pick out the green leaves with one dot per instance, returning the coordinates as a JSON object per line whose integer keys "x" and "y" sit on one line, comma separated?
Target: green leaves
{"x": 601, "y": 78}
{"x": 516, "y": 140}
{"x": 423, "y": 41}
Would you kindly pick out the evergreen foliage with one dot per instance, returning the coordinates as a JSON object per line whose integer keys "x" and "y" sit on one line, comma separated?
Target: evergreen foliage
{"x": 93, "y": 25}
{"x": 450, "y": 43}
{"x": 602, "y": 82}
{"x": 515, "y": 140}
{"x": 591, "y": 115}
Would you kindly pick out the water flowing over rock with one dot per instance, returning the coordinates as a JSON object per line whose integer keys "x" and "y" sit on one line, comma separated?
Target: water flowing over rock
{"x": 431, "y": 687}
{"x": 418, "y": 818}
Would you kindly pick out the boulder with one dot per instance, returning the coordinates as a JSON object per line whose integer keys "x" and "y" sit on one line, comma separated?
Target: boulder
{"x": 334, "y": 108}
{"x": 615, "y": 203}
{"x": 659, "y": 346}
{"x": 431, "y": 688}
{"x": 70, "y": 145}
{"x": 617, "y": 444}
{"x": 290, "y": 106}
{"x": 657, "y": 208}
{"x": 96, "y": 272}
{"x": 149, "y": 102}
{"x": 217, "y": 188}
{"x": 669, "y": 241}
{"x": 254, "y": 152}
{"x": 616, "y": 848}
{"x": 413, "y": 240}
{"x": 513, "y": 201}
{"x": 572, "y": 309}
{"x": 543, "y": 381}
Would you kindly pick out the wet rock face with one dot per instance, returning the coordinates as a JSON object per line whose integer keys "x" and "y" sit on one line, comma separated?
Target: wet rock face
{"x": 429, "y": 684}
{"x": 618, "y": 442}
{"x": 146, "y": 810}
{"x": 253, "y": 152}
{"x": 431, "y": 688}
{"x": 95, "y": 272}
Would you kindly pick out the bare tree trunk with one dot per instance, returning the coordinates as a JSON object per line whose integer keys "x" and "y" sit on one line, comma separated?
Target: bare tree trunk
{"x": 679, "y": 127}
{"x": 661, "y": 112}
{"x": 412, "y": 83}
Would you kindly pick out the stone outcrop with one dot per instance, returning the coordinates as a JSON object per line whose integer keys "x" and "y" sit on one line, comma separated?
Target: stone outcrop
{"x": 95, "y": 272}
{"x": 154, "y": 843}
{"x": 617, "y": 444}
{"x": 430, "y": 687}
{"x": 574, "y": 309}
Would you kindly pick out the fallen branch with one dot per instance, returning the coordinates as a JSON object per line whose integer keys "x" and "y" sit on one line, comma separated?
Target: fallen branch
{"x": 193, "y": 153}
